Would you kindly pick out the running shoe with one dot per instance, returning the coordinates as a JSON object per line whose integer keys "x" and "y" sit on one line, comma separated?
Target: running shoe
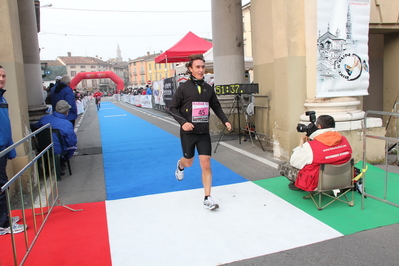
{"x": 4, "y": 231}
{"x": 179, "y": 174}
{"x": 210, "y": 204}
{"x": 15, "y": 219}
{"x": 17, "y": 228}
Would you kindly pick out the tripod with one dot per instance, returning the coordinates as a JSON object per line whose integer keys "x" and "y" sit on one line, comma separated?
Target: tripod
{"x": 238, "y": 103}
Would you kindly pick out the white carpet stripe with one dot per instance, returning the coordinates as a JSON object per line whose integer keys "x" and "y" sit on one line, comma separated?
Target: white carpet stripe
{"x": 174, "y": 229}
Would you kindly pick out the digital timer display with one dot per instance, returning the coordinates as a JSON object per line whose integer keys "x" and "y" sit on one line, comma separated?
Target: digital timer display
{"x": 237, "y": 89}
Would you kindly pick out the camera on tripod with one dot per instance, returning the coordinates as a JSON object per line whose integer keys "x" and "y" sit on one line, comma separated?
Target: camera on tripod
{"x": 311, "y": 127}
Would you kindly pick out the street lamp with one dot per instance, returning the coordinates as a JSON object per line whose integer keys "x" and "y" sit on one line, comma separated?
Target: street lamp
{"x": 37, "y": 11}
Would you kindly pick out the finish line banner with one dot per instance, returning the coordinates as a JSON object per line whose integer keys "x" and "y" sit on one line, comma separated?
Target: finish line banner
{"x": 342, "y": 48}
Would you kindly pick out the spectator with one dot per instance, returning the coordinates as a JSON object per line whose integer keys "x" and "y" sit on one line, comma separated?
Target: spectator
{"x": 44, "y": 93}
{"x": 58, "y": 120}
{"x": 148, "y": 90}
{"x": 62, "y": 91}
{"x": 326, "y": 147}
{"x": 48, "y": 99}
{"x": 5, "y": 142}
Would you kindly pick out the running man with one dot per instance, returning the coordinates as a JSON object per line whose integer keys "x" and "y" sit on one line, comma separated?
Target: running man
{"x": 190, "y": 108}
{"x": 97, "y": 95}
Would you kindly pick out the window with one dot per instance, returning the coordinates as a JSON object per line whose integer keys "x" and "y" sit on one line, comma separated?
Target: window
{"x": 73, "y": 66}
{"x": 82, "y": 66}
{"x": 92, "y": 66}
{"x": 73, "y": 73}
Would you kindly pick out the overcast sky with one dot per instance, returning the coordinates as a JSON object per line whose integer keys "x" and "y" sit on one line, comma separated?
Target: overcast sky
{"x": 95, "y": 28}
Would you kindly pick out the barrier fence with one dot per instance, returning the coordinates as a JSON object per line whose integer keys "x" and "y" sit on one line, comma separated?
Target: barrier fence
{"x": 388, "y": 141}
{"x": 35, "y": 194}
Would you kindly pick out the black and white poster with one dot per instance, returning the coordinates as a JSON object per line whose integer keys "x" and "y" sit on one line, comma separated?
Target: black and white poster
{"x": 342, "y": 48}
{"x": 168, "y": 91}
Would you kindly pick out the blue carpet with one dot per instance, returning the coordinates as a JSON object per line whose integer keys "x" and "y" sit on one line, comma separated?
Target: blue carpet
{"x": 140, "y": 158}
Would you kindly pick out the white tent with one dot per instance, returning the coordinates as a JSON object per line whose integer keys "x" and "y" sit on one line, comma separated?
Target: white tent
{"x": 208, "y": 56}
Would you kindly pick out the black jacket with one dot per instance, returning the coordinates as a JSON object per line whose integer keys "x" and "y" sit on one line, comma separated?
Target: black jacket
{"x": 181, "y": 107}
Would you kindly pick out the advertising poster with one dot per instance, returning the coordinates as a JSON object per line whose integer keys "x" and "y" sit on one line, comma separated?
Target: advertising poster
{"x": 342, "y": 48}
{"x": 168, "y": 92}
{"x": 157, "y": 90}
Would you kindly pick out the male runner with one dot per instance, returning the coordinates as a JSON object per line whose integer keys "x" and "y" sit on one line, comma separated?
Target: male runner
{"x": 190, "y": 108}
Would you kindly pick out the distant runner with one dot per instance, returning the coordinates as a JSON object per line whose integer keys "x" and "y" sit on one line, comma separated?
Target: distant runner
{"x": 97, "y": 95}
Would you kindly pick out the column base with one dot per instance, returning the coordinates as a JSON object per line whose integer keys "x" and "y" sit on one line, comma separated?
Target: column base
{"x": 36, "y": 112}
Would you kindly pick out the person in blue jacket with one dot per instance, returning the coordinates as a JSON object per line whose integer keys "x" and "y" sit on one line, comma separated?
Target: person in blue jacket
{"x": 148, "y": 90}
{"x": 5, "y": 142}
{"x": 58, "y": 120}
{"x": 62, "y": 91}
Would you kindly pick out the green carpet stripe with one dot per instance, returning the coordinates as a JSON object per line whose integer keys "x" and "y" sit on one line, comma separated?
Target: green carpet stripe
{"x": 343, "y": 218}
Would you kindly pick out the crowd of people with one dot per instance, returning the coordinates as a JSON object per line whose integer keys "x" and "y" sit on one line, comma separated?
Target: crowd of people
{"x": 138, "y": 91}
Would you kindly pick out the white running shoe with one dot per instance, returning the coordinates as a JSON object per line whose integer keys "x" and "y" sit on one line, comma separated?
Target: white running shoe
{"x": 210, "y": 204}
{"x": 15, "y": 219}
{"x": 179, "y": 174}
{"x": 16, "y": 228}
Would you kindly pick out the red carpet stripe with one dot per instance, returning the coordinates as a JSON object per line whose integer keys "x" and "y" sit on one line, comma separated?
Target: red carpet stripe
{"x": 68, "y": 238}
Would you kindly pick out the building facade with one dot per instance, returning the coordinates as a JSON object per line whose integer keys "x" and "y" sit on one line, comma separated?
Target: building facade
{"x": 72, "y": 65}
{"x": 143, "y": 70}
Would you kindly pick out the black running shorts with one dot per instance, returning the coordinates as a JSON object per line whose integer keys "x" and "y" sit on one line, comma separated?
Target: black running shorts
{"x": 190, "y": 141}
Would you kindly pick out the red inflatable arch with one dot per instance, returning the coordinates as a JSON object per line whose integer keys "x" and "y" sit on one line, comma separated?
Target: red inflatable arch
{"x": 97, "y": 75}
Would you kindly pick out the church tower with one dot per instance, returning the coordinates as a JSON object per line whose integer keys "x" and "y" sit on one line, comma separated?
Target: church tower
{"x": 118, "y": 54}
{"x": 348, "y": 25}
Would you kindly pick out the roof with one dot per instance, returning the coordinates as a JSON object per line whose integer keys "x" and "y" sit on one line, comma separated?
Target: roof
{"x": 148, "y": 57}
{"x": 52, "y": 62}
{"x": 188, "y": 45}
{"x": 80, "y": 60}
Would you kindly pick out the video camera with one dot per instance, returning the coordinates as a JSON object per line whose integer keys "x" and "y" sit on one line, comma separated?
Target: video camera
{"x": 311, "y": 127}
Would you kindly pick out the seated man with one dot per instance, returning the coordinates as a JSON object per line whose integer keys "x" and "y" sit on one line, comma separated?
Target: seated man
{"x": 324, "y": 146}
{"x": 58, "y": 120}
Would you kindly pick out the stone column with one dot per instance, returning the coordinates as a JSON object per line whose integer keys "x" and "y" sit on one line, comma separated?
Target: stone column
{"x": 391, "y": 80}
{"x": 30, "y": 51}
{"x": 228, "y": 54}
{"x": 284, "y": 42}
{"x": 228, "y": 46}
{"x": 11, "y": 59}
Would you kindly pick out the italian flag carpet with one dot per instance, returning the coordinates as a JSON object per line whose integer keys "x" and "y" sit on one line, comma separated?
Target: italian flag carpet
{"x": 150, "y": 218}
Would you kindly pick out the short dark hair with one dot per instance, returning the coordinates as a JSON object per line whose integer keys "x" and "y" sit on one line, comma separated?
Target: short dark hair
{"x": 192, "y": 58}
{"x": 1, "y": 67}
{"x": 325, "y": 121}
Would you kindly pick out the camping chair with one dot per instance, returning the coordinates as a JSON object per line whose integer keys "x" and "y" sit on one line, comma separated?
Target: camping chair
{"x": 331, "y": 178}
{"x": 44, "y": 139}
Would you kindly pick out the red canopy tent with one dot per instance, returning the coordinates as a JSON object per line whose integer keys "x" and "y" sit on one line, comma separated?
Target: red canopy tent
{"x": 188, "y": 45}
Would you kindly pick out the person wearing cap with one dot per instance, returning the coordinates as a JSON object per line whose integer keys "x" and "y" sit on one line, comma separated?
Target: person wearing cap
{"x": 62, "y": 91}
{"x": 58, "y": 120}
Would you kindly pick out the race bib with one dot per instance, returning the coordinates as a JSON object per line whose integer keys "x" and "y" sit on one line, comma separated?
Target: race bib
{"x": 200, "y": 112}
